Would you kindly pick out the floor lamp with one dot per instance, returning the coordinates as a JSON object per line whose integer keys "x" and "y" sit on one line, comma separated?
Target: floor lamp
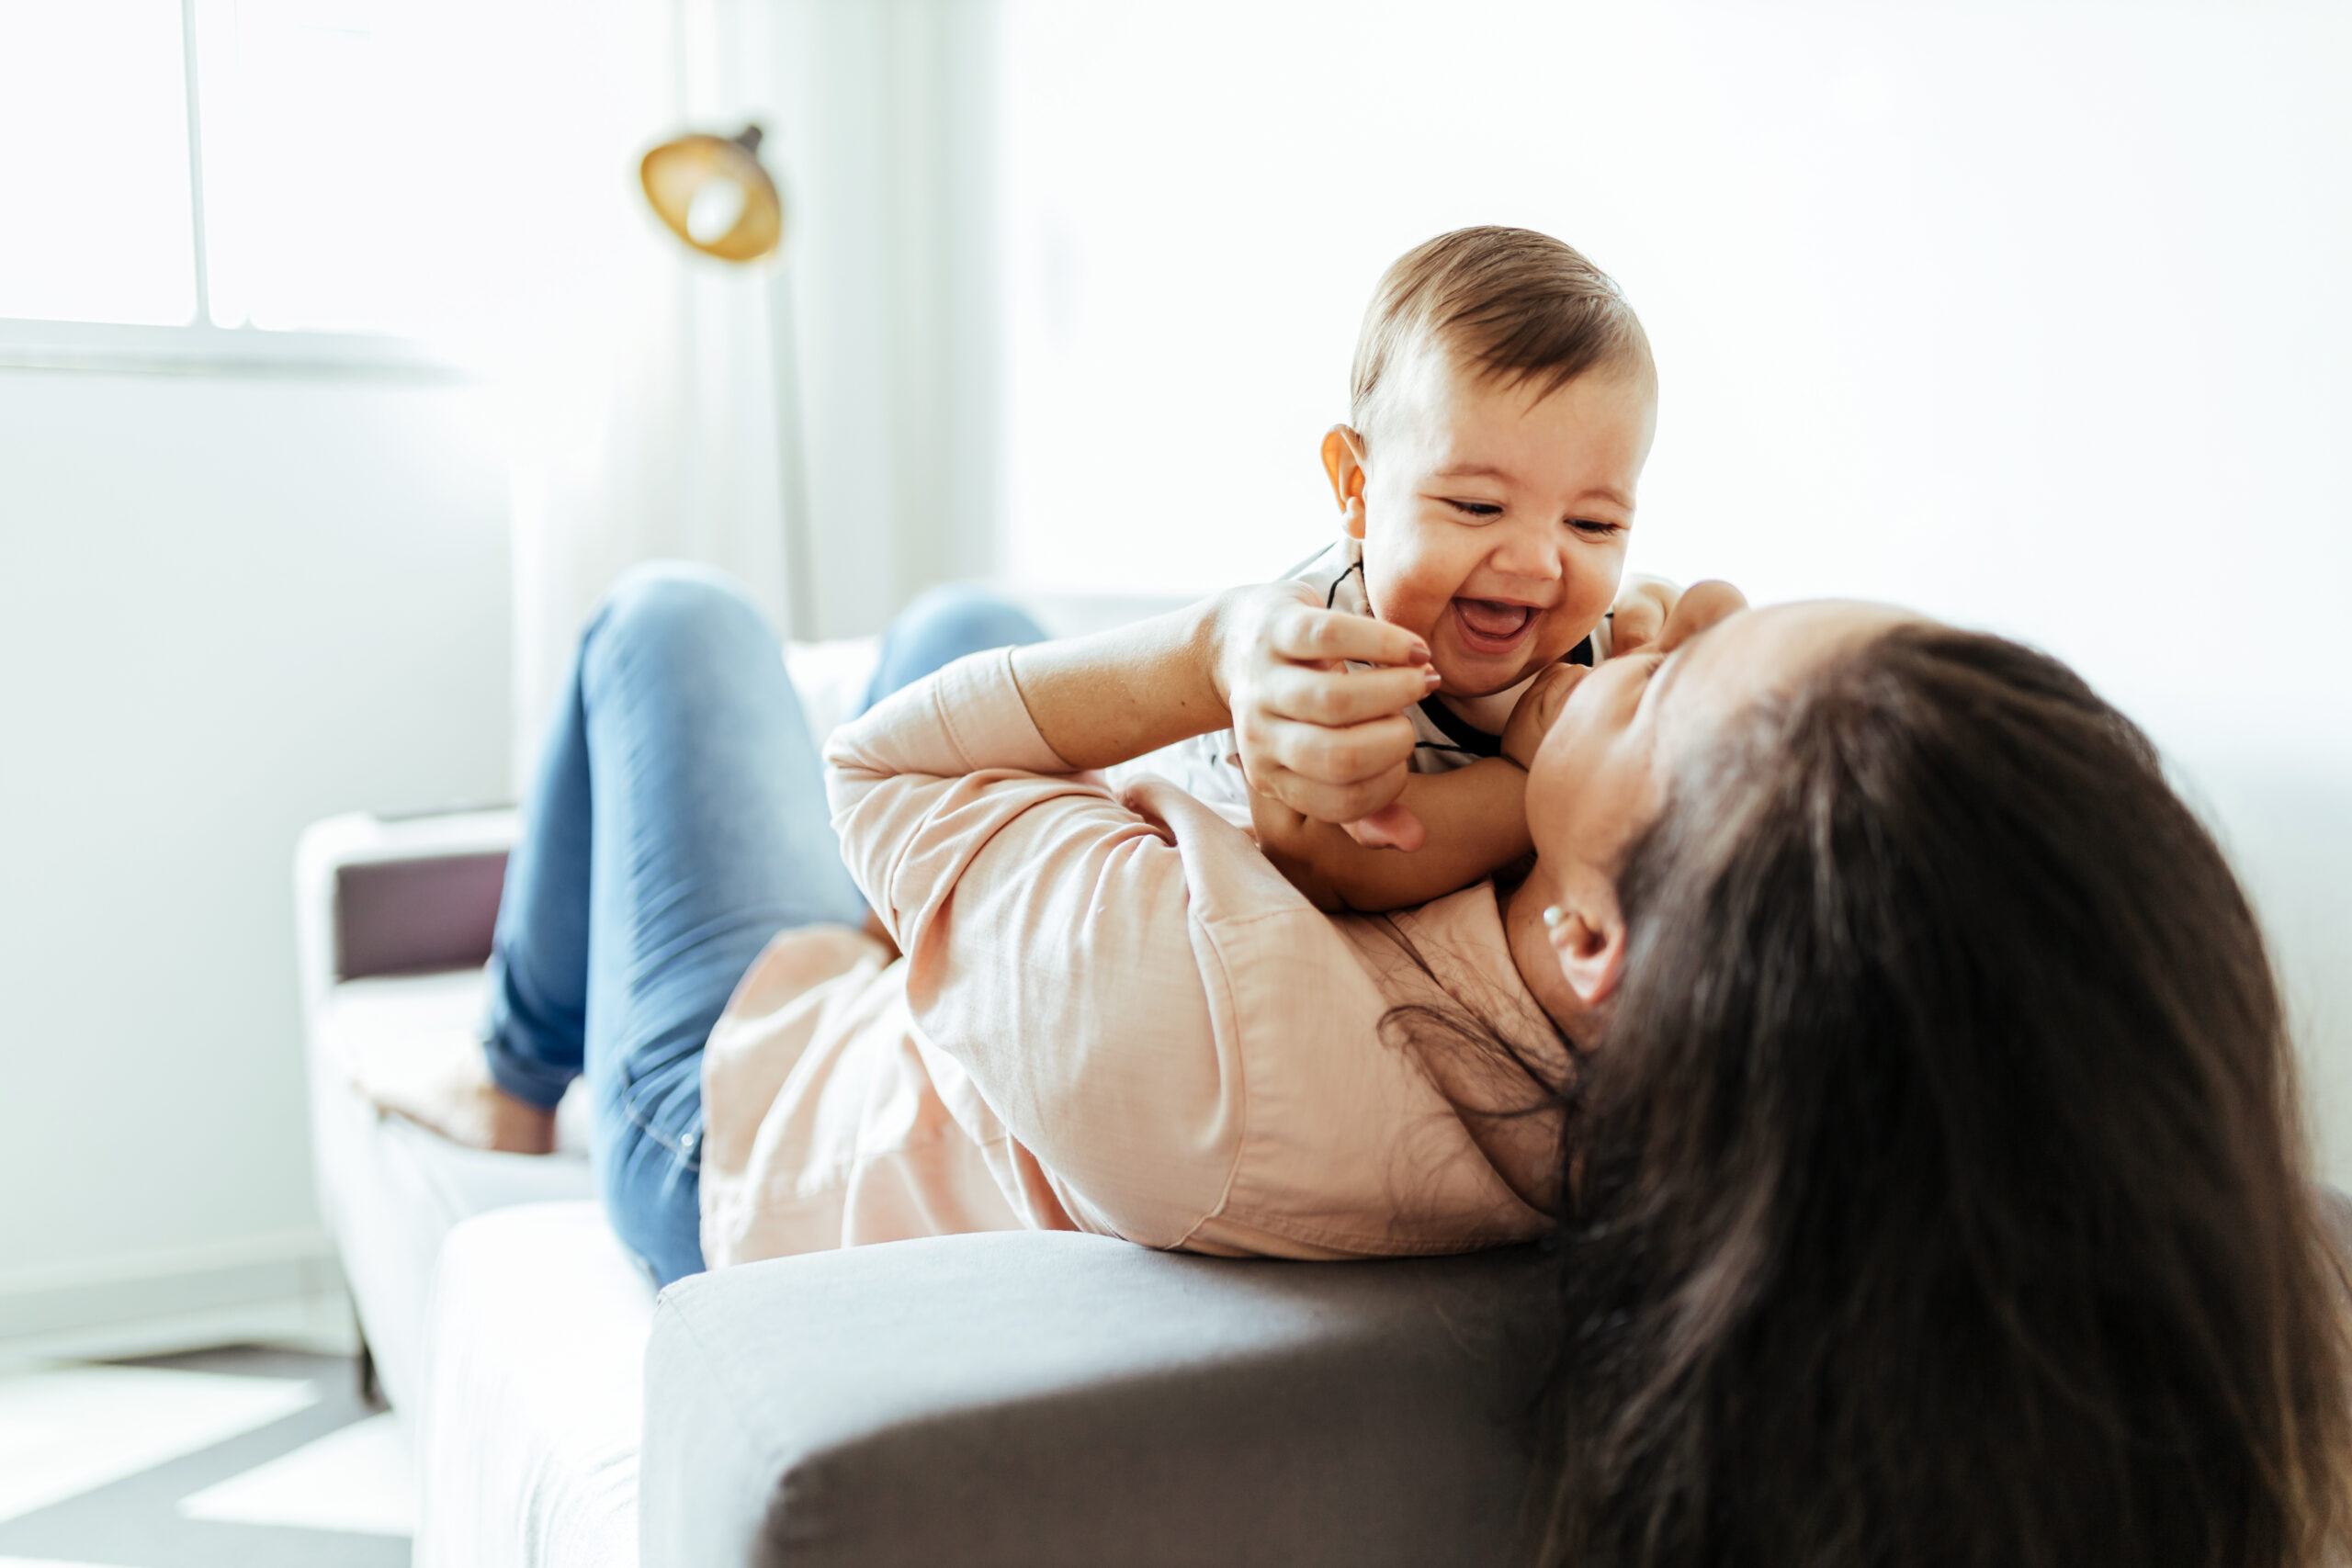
{"x": 713, "y": 193}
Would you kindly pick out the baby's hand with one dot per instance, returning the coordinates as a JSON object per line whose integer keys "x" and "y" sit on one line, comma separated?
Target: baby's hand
{"x": 1692, "y": 612}
{"x": 1328, "y": 742}
{"x": 1538, "y": 705}
{"x": 1640, "y": 614}
{"x": 1650, "y": 612}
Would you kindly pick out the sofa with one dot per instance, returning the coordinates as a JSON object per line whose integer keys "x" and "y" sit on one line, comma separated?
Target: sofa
{"x": 1029, "y": 1399}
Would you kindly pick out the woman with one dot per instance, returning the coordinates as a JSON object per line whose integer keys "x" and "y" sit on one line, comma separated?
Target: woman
{"x": 1924, "y": 1154}
{"x": 1935, "y": 1193}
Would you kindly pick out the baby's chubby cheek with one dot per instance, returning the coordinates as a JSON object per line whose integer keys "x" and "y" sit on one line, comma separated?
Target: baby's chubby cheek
{"x": 1418, "y": 613}
{"x": 1588, "y": 593}
{"x": 1409, "y": 588}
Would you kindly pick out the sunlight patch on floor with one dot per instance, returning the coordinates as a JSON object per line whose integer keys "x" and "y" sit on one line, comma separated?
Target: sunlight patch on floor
{"x": 357, "y": 1478}
{"x": 65, "y": 1431}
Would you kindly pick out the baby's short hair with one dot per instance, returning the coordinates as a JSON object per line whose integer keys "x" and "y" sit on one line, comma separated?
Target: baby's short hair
{"x": 1512, "y": 302}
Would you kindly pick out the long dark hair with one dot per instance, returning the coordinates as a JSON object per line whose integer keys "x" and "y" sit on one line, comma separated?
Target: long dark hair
{"x": 1935, "y": 1193}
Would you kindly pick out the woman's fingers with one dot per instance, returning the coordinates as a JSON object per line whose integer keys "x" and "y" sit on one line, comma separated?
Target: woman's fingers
{"x": 1331, "y": 774}
{"x": 1325, "y": 739}
{"x": 1321, "y": 637}
{"x": 1342, "y": 803}
{"x": 1338, "y": 754}
{"x": 1343, "y": 696}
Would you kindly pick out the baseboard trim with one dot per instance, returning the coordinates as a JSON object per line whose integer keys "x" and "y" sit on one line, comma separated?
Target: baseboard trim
{"x": 93, "y": 1296}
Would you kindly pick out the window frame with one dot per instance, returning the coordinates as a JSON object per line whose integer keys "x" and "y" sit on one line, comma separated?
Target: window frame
{"x": 200, "y": 347}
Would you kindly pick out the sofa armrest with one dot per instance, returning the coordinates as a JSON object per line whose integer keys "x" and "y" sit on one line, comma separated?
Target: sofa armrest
{"x": 1046, "y": 1398}
{"x": 392, "y": 896}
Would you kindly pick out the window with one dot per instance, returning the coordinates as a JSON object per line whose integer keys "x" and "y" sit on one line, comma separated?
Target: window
{"x": 94, "y": 172}
{"x": 224, "y": 170}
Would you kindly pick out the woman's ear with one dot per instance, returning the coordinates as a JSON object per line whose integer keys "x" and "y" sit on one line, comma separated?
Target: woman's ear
{"x": 1343, "y": 461}
{"x": 1590, "y": 946}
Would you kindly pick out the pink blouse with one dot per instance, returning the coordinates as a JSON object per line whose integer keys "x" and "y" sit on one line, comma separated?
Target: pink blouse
{"x": 1113, "y": 1015}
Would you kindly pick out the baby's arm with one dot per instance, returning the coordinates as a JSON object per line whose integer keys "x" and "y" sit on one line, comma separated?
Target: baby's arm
{"x": 1476, "y": 819}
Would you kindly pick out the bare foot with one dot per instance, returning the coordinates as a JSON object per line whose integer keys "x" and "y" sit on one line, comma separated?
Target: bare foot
{"x": 440, "y": 1082}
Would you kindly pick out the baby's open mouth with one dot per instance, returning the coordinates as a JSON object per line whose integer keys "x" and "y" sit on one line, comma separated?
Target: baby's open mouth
{"x": 1489, "y": 626}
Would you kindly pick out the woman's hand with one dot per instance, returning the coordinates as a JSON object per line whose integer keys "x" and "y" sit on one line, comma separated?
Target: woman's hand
{"x": 1324, "y": 741}
{"x": 1328, "y": 741}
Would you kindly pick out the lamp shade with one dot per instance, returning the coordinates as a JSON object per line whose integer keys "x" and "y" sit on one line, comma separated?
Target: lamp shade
{"x": 712, "y": 193}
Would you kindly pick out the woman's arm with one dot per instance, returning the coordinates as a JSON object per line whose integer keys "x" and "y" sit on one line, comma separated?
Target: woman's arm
{"x": 1265, "y": 660}
{"x": 1123, "y": 1001}
{"x": 1474, "y": 820}
{"x": 1117, "y": 694}
{"x": 1085, "y": 973}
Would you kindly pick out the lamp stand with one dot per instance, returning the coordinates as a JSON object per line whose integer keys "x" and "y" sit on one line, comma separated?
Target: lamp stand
{"x": 792, "y": 488}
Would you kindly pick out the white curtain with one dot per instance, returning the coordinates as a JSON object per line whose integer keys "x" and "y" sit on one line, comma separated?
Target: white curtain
{"x": 646, "y": 409}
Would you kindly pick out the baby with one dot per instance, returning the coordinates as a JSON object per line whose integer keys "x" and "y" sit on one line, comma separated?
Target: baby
{"x": 1503, "y": 402}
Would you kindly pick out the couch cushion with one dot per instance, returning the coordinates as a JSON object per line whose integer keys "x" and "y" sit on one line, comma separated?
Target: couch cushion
{"x": 1038, "y": 1399}
{"x": 528, "y": 1432}
{"x": 391, "y": 1190}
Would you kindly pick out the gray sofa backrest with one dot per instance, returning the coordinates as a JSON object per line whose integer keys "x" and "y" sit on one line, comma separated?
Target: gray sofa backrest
{"x": 1043, "y": 1399}
{"x": 1047, "y": 1399}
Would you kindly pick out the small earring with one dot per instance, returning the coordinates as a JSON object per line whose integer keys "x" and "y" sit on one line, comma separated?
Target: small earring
{"x": 1554, "y": 917}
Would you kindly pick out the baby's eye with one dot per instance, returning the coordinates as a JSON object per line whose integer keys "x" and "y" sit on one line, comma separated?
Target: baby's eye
{"x": 1594, "y": 528}
{"x": 1478, "y": 509}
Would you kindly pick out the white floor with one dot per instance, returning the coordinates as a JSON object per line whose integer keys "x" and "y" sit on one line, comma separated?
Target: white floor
{"x": 67, "y": 1430}
{"x": 355, "y": 1479}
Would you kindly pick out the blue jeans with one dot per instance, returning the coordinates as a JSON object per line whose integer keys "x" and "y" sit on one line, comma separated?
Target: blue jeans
{"x": 678, "y": 822}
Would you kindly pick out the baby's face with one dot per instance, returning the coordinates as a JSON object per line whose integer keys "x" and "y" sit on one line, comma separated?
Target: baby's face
{"x": 1493, "y": 522}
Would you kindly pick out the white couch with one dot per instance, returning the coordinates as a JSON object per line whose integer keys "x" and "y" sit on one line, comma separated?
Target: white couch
{"x": 484, "y": 1282}
{"x": 509, "y": 1345}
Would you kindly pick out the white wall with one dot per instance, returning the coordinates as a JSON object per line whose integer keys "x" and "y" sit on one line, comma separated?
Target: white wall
{"x": 227, "y": 607}
{"x": 2033, "y": 316}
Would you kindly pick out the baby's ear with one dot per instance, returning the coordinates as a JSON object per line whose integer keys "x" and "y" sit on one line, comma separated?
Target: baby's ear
{"x": 1344, "y": 462}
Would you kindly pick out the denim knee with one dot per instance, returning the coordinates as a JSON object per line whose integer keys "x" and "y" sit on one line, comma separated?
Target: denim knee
{"x": 654, "y": 1200}
{"x": 967, "y": 615}
{"x": 943, "y": 626}
{"x": 672, "y": 608}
